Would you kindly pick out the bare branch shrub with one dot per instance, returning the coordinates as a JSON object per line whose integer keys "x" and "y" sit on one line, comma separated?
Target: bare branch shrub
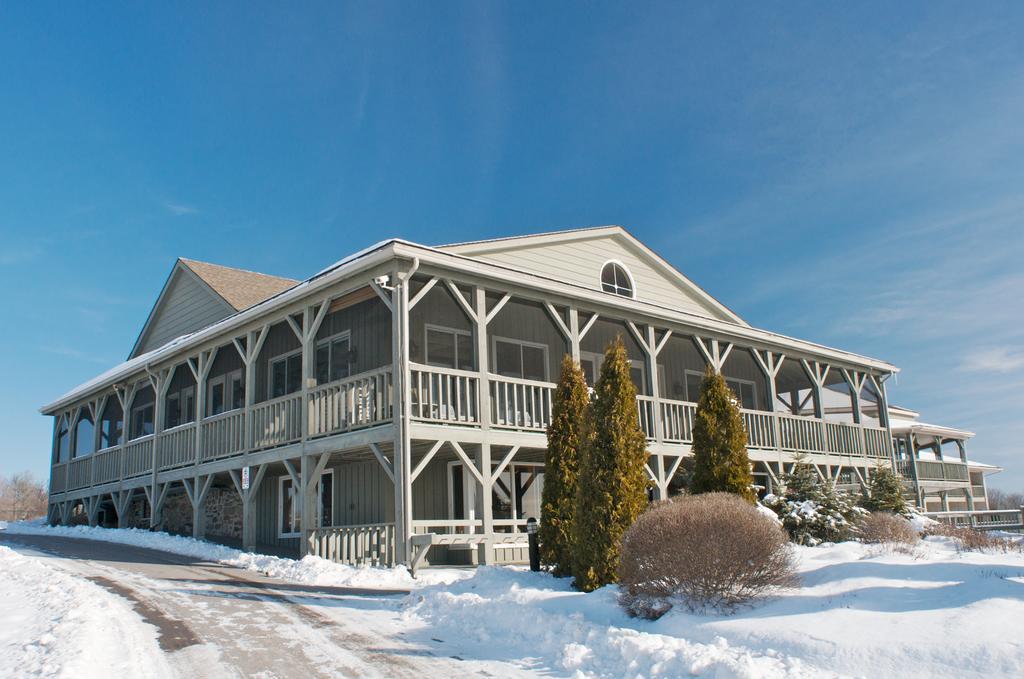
{"x": 886, "y": 527}
{"x": 706, "y": 552}
{"x": 967, "y": 539}
{"x": 21, "y": 497}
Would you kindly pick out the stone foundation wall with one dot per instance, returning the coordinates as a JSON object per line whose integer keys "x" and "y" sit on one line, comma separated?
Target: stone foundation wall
{"x": 222, "y": 507}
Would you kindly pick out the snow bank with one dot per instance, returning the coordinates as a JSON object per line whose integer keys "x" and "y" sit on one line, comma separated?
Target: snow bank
{"x": 859, "y": 612}
{"x": 310, "y": 570}
{"x": 57, "y": 625}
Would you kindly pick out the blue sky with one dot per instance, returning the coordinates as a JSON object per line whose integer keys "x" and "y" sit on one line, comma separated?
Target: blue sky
{"x": 847, "y": 174}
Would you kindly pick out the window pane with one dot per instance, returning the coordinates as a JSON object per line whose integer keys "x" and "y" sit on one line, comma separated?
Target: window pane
{"x": 63, "y": 442}
{"x": 508, "y": 359}
{"x": 217, "y": 398}
{"x": 637, "y": 375}
{"x": 465, "y": 351}
{"x": 458, "y": 506}
{"x": 323, "y": 364}
{"x": 286, "y": 507}
{"x": 294, "y": 373}
{"x": 440, "y": 348}
{"x": 237, "y": 392}
{"x": 608, "y": 275}
{"x": 693, "y": 381}
{"x": 188, "y": 406}
{"x": 84, "y": 432}
{"x": 749, "y": 399}
{"x": 339, "y": 359}
{"x": 588, "y": 370}
{"x": 534, "y": 367}
{"x": 278, "y": 371}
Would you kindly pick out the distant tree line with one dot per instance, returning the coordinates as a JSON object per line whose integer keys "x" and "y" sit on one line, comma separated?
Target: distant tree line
{"x": 21, "y": 497}
{"x": 1000, "y": 499}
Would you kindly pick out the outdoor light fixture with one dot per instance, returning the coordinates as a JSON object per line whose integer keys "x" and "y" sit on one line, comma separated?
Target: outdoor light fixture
{"x": 531, "y": 530}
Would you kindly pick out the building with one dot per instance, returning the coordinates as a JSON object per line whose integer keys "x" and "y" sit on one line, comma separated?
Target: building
{"x": 400, "y": 396}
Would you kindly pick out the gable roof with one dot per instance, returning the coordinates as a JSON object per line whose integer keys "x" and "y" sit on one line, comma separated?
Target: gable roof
{"x": 563, "y": 253}
{"x": 238, "y": 287}
{"x": 213, "y": 293}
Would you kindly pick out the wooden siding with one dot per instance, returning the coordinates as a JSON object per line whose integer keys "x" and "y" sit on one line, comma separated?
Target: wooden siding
{"x": 679, "y": 354}
{"x": 185, "y": 306}
{"x": 280, "y": 340}
{"x": 369, "y": 323}
{"x": 580, "y": 261}
{"x": 529, "y": 322}
{"x": 437, "y": 307}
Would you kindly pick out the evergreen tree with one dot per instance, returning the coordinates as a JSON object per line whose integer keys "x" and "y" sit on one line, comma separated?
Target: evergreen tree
{"x": 720, "y": 442}
{"x": 884, "y": 492}
{"x": 612, "y": 488}
{"x": 812, "y": 511}
{"x": 566, "y": 435}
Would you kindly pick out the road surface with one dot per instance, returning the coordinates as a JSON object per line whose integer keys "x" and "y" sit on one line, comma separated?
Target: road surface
{"x": 218, "y": 621}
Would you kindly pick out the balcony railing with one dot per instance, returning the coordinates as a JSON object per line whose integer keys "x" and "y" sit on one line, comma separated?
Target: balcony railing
{"x": 445, "y": 395}
{"x": 350, "y": 403}
{"x": 176, "y": 447}
{"x": 277, "y": 422}
{"x": 928, "y": 470}
{"x": 223, "y": 435}
{"x": 982, "y": 519}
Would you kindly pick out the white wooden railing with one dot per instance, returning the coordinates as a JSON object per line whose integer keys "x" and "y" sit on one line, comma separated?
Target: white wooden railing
{"x": 58, "y": 478}
{"x": 760, "y": 428}
{"x": 677, "y": 420}
{"x": 357, "y": 401}
{"x": 106, "y": 466}
{"x": 223, "y": 435}
{"x": 138, "y": 456}
{"x": 645, "y": 408}
{"x": 520, "y": 404}
{"x": 372, "y": 544}
{"x": 445, "y": 395}
{"x": 277, "y": 422}
{"x": 843, "y": 438}
{"x": 176, "y": 447}
{"x": 800, "y": 434}
{"x": 983, "y": 519}
{"x": 933, "y": 470}
{"x": 80, "y": 473}
{"x": 877, "y": 442}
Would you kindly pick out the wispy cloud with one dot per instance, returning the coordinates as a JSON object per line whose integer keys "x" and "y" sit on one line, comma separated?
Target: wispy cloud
{"x": 76, "y": 354}
{"x": 1001, "y": 359}
{"x": 180, "y": 209}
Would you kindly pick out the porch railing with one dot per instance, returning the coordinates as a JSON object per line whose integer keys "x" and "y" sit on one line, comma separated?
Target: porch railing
{"x": 80, "y": 473}
{"x": 983, "y": 519}
{"x": 138, "y": 456}
{"x": 106, "y": 466}
{"x": 933, "y": 470}
{"x": 522, "y": 404}
{"x": 843, "y": 438}
{"x": 760, "y": 429}
{"x": 877, "y": 442}
{"x": 223, "y": 435}
{"x": 371, "y": 545}
{"x": 176, "y": 447}
{"x": 353, "y": 402}
{"x": 677, "y": 420}
{"x": 277, "y": 422}
{"x": 800, "y": 434}
{"x": 645, "y": 409}
{"x": 58, "y": 478}
{"x": 445, "y": 395}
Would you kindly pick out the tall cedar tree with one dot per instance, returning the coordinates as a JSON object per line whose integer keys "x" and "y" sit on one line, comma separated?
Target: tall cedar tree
{"x": 566, "y": 435}
{"x": 612, "y": 489}
{"x": 720, "y": 462}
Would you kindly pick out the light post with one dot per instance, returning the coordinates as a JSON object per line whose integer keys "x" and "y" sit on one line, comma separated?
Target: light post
{"x": 531, "y": 530}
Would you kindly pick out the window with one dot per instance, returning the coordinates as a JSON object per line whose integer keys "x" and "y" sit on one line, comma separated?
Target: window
{"x": 591, "y": 361}
{"x": 289, "y": 505}
{"x": 111, "y": 427}
{"x": 61, "y": 441}
{"x": 333, "y": 359}
{"x": 142, "y": 421}
{"x": 285, "y": 374}
{"x": 616, "y": 280}
{"x": 745, "y": 390}
{"x": 84, "y": 435}
{"x": 525, "y": 360}
{"x": 224, "y": 393}
{"x": 516, "y": 494}
{"x": 449, "y": 348}
{"x": 180, "y": 408}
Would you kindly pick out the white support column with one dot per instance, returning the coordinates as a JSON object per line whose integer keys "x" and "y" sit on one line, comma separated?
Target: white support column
{"x": 159, "y": 382}
{"x": 482, "y": 317}
{"x": 402, "y": 456}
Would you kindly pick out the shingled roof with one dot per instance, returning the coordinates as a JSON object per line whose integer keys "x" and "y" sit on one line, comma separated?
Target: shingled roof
{"x": 239, "y": 288}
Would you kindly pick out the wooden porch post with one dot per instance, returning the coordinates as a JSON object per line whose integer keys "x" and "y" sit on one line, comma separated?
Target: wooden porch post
{"x": 157, "y": 381}
{"x": 486, "y": 549}
{"x": 402, "y": 455}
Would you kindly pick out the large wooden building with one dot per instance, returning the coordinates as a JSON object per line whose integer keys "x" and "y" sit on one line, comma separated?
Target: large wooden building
{"x": 393, "y": 407}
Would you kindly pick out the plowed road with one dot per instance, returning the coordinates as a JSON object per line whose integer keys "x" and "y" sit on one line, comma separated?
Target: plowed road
{"x": 215, "y": 621}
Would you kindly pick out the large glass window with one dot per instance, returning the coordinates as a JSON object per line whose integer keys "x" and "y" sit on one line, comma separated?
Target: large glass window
{"x": 744, "y": 390}
{"x": 449, "y": 348}
{"x": 180, "y": 408}
{"x": 111, "y": 425}
{"x": 62, "y": 441}
{"x": 333, "y": 359}
{"x": 591, "y": 363}
{"x": 142, "y": 421}
{"x": 525, "y": 360}
{"x": 224, "y": 393}
{"x": 616, "y": 280}
{"x": 85, "y": 432}
{"x": 285, "y": 375}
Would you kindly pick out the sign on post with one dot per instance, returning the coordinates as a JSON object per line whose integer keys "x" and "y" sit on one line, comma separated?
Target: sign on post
{"x": 245, "y": 478}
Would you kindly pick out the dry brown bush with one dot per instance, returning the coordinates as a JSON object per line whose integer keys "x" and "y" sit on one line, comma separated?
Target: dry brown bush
{"x": 968, "y": 539}
{"x": 713, "y": 551}
{"x": 886, "y": 527}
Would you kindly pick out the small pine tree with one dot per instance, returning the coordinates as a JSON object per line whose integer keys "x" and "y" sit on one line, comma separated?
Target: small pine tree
{"x": 612, "y": 488}
{"x": 566, "y": 435}
{"x": 884, "y": 492}
{"x": 720, "y": 442}
{"x": 812, "y": 511}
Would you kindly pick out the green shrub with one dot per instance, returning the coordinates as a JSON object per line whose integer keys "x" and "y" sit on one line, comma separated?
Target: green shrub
{"x": 720, "y": 442}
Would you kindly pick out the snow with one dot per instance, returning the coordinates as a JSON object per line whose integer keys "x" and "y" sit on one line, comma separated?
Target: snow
{"x": 57, "y": 625}
{"x": 310, "y": 570}
{"x": 861, "y": 611}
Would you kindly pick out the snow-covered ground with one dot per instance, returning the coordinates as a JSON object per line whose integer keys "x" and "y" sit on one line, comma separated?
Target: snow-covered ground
{"x": 860, "y": 611}
{"x": 56, "y": 625}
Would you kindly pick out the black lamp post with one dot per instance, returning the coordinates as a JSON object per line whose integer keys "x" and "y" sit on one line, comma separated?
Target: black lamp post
{"x": 531, "y": 530}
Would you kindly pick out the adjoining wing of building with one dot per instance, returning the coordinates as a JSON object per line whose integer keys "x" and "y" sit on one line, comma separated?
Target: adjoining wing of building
{"x": 399, "y": 399}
